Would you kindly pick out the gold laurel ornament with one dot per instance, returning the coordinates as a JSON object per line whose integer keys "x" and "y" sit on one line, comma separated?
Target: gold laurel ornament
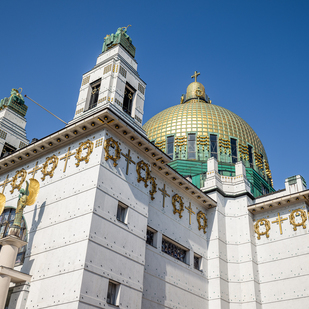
{"x": 298, "y": 212}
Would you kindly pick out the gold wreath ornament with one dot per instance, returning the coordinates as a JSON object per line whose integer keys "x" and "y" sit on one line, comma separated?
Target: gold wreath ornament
{"x": 110, "y": 142}
{"x": 153, "y": 187}
{"x": 2, "y": 202}
{"x": 50, "y": 160}
{"x": 259, "y": 223}
{"x": 141, "y": 165}
{"x": 201, "y": 216}
{"x": 296, "y": 213}
{"x": 177, "y": 199}
{"x": 83, "y": 146}
{"x": 22, "y": 174}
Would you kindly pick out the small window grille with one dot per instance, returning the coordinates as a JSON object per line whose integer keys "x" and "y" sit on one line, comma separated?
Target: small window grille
{"x": 191, "y": 146}
{"x": 173, "y": 250}
{"x": 250, "y": 156}
{"x": 150, "y": 237}
{"x": 197, "y": 262}
{"x": 234, "y": 150}
{"x": 170, "y": 146}
{"x": 213, "y": 146}
{"x": 128, "y": 99}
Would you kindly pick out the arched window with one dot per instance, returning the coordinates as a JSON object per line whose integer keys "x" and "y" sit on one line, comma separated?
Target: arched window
{"x": 6, "y": 221}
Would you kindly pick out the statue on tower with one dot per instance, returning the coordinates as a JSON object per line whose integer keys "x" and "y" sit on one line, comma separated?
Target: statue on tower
{"x": 15, "y": 102}
{"x": 120, "y": 37}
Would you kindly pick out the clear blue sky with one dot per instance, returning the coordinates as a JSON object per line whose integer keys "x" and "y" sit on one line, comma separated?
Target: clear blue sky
{"x": 252, "y": 55}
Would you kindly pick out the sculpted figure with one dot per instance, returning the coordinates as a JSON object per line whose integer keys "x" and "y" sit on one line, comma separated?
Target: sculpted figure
{"x": 27, "y": 196}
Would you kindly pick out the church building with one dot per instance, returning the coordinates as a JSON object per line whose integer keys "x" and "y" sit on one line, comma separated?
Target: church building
{"x": 177, "y": 213}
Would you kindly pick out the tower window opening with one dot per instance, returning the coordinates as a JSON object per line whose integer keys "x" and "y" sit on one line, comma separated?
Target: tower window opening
{"x": 250, "y": 156}
{"x": 95, "y": 89}
{"x": 170, "y": 146}
{"x": 213, "y": 146}
{"x": 128, "y": 98}
{"x": 234, "y": 150}
{"x": 191, "y": 146}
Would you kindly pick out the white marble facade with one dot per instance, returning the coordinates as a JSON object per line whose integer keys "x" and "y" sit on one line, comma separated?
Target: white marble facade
{"x": 78, "y": 246}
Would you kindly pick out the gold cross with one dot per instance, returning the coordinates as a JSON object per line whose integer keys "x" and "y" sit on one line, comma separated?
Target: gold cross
{"x": 164, "y": 193}
{"x": 195, "y": 75}
{"x": 5, "y": 182}
{"x": 190, "y": 212}
{"x": 128, "y": 159}
{"x": 35, "y": 169}
{"x": 279, "y": 221}
{"x": 66, "y": 157}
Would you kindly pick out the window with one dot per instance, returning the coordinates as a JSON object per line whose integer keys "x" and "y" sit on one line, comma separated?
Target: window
{"x": 234, "y": 150}
{"x": 197, "y": 262}
{"x": 264, "y": 189}
{"x": 176, "y": 251}
{"x": 122, "y": 213}
{"x": 151, "y": 238}
{"x": 250, "y": 156}
{"x": 191, "y": 146}
{"x": 128, "y": 98}
{"x": 6, "y": 221}
{"x": 95, "y": 89}
{"x": 170, "y": 146}
{"x": 113, "y": 293}
{"x": 213, "y": 146}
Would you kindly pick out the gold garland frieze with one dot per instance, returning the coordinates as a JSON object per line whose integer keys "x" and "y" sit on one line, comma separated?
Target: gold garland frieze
{"x": 177, "y": 199}
{"x": 19, "y": 176}
{"x": 262, "y": 222}
{"x": 141, "y": 165}
{"x": 53, "y": 160}
{"x": 201, "y": 217}
{"x": 297, "y": 213}
{"x": 110, "y": 142}
{"x": 87, "y": 145}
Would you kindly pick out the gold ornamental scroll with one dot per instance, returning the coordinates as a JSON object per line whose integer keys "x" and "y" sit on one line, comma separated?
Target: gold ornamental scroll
{"x": 87, "y": 145}
{"x": 177, "y": 199}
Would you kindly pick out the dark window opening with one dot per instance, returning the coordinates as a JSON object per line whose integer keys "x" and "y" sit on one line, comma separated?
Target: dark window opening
{"x": 170, "y": 146}
{"x": 250, "y": 156}
{"x": 213, "y": 146}
{"x": 191, "y": 146}
{"x": 150, "y": 235}
{"x": 197, "y": 262}
{"x": 234, "y": 150}
{"x": 128, "y": 98}
{"x": 95, "y": 89}
{"x": 264, "y": 189}
{"x": 111, "y": 293}
{"x": 7, "y": 150}
{"x": 121, "y": 213}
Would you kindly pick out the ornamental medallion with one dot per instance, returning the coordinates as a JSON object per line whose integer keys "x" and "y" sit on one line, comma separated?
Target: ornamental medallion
{"x": 141, "y": 165}
{"x": 22, "y": 174}
{"x": 153, "y": 187}
{"x": 177, "y": 199}
{"x": 297, "y": 213}
{"x": 110, "y": 142}
{"x": 53, "y": 160}
{"x": 87, "y": 145}
{"x": 201, "y": 217}
{"x": 262, "y": 222}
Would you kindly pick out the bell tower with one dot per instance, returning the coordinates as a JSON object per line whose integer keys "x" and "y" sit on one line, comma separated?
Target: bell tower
{"x": 114, "y": 82}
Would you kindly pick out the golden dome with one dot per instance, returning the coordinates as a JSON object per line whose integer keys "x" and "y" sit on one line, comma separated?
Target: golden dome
{"x": 203, "y": 119}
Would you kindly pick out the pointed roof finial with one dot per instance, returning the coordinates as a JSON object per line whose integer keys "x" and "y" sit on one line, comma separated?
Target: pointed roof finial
{"x": 195, "y": 75}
